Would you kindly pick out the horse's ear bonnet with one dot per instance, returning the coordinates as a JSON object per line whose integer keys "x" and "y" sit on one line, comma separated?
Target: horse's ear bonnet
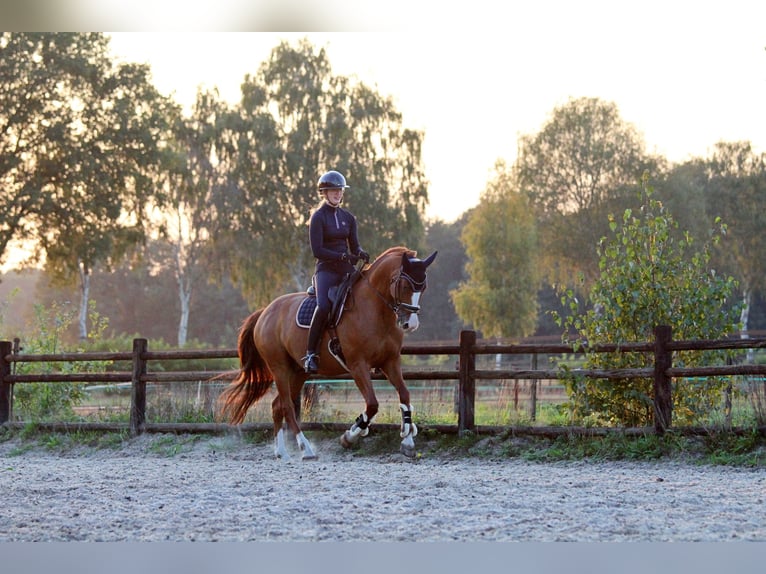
{"x": 416, "y": 268}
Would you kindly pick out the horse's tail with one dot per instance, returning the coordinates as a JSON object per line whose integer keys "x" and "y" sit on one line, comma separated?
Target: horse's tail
{"x": 254, "y": 378}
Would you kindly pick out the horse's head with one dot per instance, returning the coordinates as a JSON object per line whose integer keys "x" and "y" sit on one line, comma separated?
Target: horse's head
{"x": 407, "y": 285}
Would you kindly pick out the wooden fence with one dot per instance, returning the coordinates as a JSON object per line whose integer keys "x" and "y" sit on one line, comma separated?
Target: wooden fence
{"x": 465, "y": 373}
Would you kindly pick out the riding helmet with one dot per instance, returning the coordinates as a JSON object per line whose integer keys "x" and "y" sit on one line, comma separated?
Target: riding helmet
{"x": 332, "y": 180}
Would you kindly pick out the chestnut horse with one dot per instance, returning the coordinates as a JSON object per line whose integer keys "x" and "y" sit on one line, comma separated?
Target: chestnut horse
{"x": 382, "y": 305}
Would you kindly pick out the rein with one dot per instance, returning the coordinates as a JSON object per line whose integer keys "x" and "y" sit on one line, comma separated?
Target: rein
{"x": 394, "y": 289}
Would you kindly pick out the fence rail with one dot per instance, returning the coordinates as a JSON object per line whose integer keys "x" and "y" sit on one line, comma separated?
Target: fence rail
{"x": 466, "y": 374}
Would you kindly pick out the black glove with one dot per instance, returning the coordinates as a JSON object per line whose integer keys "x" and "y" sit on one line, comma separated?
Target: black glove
{"x": 364, "y": 255}
{"x": 353, "y": 259}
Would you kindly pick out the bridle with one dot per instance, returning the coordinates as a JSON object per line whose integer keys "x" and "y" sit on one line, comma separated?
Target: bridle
{"x": 396, "y": 287}
{"x": 401, "y": 309}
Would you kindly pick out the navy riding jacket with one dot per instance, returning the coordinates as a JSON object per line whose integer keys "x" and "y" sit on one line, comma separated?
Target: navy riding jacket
{"x": 333, "y": 232}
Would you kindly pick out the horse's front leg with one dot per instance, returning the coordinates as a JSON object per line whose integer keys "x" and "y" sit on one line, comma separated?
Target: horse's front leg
{"x": 361, "y": 426}
{"x": 409, "y": 430}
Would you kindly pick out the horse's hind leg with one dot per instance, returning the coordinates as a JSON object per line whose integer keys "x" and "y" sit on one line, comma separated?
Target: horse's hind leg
{"x": 280, "y": 429}
{"x": 287, "y": 393}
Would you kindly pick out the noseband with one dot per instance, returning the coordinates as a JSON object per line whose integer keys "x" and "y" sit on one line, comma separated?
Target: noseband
{"x": 396, "y": 289}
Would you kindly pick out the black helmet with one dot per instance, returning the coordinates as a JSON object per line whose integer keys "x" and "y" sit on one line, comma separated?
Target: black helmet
{"x": 331, "y": 180}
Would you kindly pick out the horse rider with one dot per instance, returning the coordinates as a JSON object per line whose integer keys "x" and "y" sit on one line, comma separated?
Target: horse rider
{"x": 335, "y": 245}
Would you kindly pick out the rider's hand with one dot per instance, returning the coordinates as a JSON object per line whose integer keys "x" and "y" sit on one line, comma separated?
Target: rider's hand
{"x": 364, "y": 255}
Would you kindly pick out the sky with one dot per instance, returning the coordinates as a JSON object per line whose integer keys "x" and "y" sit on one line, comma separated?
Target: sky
{"x": 474, "y": 76}
{"x": 685, "y": 74}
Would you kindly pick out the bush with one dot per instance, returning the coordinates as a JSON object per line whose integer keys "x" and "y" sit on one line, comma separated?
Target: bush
{"x": 649, "y": 276}
{"x": 54, "y": 401}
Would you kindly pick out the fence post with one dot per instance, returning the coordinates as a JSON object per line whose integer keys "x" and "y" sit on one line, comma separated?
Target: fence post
{"x": 466, "y": 383}
{"x": 533, "y": 391}
{"x": 663, "y": 360}
{"x": 6, "y": 389}
{"x": 138, "y": 389}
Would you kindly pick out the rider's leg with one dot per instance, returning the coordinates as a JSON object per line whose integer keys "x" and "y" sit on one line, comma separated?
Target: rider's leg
{"x": 324, "y": 280}
{"x": 318, "y": 322}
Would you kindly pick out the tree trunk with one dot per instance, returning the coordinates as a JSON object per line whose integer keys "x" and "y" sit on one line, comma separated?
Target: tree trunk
{"x": 183, "y": 323}
{"x": 84, "y": 297}
{"x": 184, "y": 280}
{"x": 744, "y": 317}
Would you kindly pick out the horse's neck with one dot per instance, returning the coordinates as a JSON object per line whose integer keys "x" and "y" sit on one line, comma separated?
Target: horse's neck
{"x": 377, "y": 288}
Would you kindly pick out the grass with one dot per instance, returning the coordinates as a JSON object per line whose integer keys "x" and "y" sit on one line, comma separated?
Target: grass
{"x": 187, "y": 404}
{"x": 171, "y": 445}
{"x": 716, "y": 448}
{"x": 31, "y": 436}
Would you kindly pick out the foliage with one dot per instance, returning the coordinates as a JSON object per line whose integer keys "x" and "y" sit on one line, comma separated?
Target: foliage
{"x": 649, "y": 278}
{"x": 735, "y": 188}
{"x": 54, "y": 401}
{"x": 500, "y": 296}
{"x": 617, "y": 447}
{"x": 195, "y": 208}
{"x": 578, "y": 167}
{"x": 296, "y": 120}
{"x": 141, "y": 300}
{"x": 438, "y": 318}
{"x": 79, "y": 140}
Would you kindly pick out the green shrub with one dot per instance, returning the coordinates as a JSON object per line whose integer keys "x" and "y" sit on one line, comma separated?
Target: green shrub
{"x": 650, "y": 276}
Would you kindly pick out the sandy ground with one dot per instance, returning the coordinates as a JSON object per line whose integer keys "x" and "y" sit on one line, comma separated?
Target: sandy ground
{"x": 166, "y": 488}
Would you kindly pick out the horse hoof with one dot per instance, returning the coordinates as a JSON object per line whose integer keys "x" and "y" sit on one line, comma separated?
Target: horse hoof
{"x": 344, "y": 442}
{"x": 408, "y": 451}
{"x": 310, "y": 457}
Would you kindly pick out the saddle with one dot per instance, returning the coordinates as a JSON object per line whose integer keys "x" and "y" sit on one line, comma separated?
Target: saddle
{"x": 337, "y": 294}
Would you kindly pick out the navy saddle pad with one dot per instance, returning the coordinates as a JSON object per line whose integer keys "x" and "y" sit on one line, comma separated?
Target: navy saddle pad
{"x": 306, "y": 312}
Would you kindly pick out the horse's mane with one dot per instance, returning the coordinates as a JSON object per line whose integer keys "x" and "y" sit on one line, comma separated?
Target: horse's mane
{"x": 397, "y": 250}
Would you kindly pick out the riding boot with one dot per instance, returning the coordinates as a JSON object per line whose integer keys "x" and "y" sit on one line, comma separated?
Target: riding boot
{"x": 311, "y": 360}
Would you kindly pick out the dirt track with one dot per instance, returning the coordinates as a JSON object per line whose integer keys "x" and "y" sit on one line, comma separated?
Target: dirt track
{"x": 157, "y": 488}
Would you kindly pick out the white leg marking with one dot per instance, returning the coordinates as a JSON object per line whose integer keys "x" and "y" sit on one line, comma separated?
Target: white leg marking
{"x": 305, "y": 446}
{"x": 280, "y": 449}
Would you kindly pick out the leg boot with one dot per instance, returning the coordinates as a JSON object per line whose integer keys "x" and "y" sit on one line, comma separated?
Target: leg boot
{"x": 311, "y": 360}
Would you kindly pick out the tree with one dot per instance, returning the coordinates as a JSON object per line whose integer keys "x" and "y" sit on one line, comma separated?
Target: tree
{"x": 297, "y": 121}
{"x": 500, "y": 238}
{"x": 649, "y": 278}
{"x": 140, "y": 299}
{"x": 735, "y": 191}
{"x": 36, "y": 75}
{"x": 439, "y": 320}
{"x": 578, "y": 168}
{"x": 195, "y": 181}
{"x": 82, "y": 134}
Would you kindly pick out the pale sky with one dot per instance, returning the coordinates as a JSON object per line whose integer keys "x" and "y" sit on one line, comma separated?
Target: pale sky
{"x": 474, "y": 76}
{"x": 686, "y": 74}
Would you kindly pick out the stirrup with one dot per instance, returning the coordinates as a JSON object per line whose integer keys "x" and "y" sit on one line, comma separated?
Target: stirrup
{"x": 311, "y": 363}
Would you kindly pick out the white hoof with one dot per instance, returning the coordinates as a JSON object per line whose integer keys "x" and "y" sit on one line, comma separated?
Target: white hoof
{"x": 408, "y": 447}
{"x": 280, "y": 449}
{"x": 305, "y": 447}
